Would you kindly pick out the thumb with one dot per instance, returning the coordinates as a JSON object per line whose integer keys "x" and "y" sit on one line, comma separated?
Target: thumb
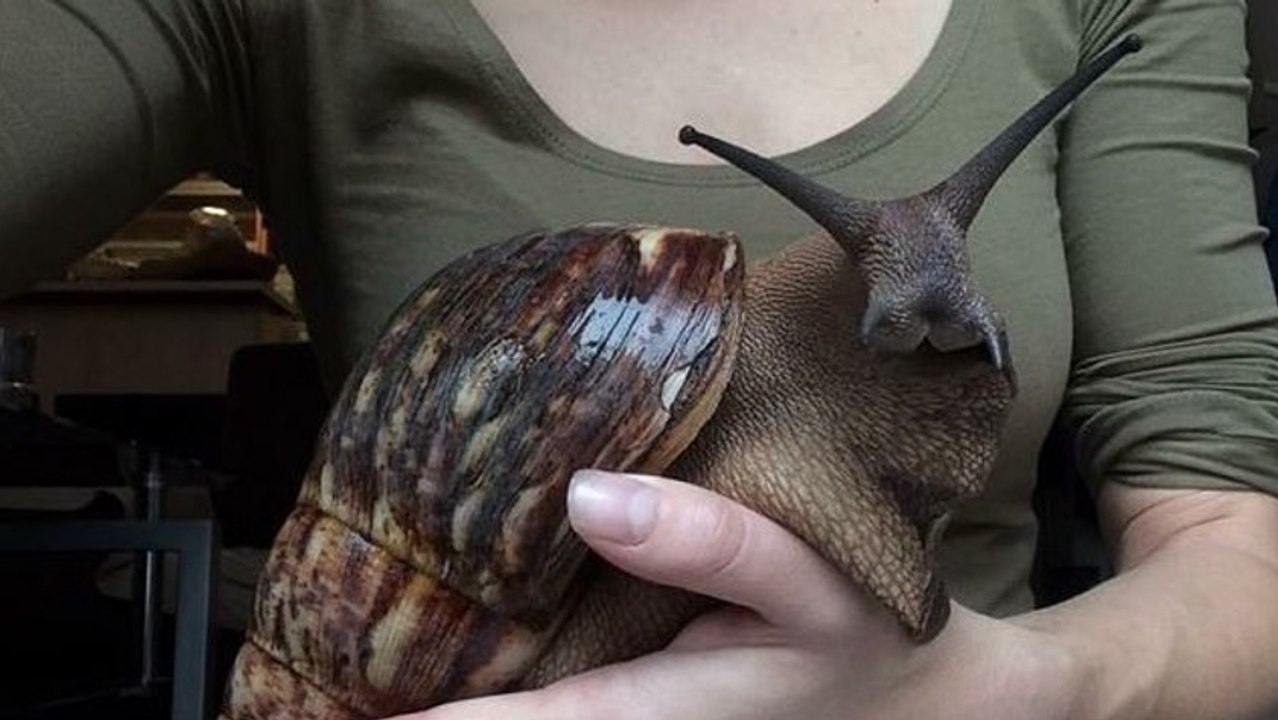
{"x": 674, "y": 533}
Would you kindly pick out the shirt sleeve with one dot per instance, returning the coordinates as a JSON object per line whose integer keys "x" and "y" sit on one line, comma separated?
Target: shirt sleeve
{"x": 1175, "y": 368}
{"x": 105, "y": 104}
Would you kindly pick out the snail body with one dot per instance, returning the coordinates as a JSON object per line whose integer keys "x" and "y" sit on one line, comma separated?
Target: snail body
{"x": 852, "y": 388}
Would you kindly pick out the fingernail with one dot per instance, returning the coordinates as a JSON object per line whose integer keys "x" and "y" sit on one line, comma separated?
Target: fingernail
{"x": 611, "y": 506}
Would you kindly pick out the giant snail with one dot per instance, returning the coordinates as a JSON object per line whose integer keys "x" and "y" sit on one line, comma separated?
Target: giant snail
{"x": 429, "y": 558}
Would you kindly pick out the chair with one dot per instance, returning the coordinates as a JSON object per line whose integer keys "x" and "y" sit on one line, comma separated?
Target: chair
{"x": 195, "y": 542}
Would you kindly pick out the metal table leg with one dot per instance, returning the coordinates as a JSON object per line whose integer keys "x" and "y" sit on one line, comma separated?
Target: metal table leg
{"x": 195, "y": 542}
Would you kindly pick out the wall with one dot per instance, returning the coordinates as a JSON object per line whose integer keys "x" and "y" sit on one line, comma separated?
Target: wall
{"x": 1264, "y": 36}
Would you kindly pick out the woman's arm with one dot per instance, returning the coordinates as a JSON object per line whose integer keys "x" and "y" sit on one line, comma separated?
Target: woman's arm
{"x": 1174, "y": 394}
{"x": 1188, "y": 628}
{"x": 1175, "y": 375}
{"x": 103, "y": 106}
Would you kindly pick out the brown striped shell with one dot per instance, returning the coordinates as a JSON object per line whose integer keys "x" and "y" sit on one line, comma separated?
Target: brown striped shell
{"x": 429, "y": 556}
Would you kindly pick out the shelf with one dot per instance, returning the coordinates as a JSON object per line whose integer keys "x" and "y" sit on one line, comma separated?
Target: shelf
{"x": 153, "y": 290}
{"x": 201, "y": 187}
{"x": 167, "y": 218}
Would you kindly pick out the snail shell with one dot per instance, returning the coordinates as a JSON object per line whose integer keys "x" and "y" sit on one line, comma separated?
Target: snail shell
{"x": 429, "y": 556}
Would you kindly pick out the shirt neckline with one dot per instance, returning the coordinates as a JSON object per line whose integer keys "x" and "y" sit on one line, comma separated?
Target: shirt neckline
{"x": 527, "y": 108}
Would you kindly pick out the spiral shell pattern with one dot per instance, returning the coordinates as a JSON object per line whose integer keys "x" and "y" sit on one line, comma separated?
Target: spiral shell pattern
{"x": 429, "y": 557}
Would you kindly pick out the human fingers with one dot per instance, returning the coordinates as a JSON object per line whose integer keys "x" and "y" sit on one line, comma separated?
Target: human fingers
{"x": 674, "y": 533}
{"x": 763, "y": 683}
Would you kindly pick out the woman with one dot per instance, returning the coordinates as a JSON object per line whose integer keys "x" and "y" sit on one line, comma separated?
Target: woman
{"x": 384, "y": 138}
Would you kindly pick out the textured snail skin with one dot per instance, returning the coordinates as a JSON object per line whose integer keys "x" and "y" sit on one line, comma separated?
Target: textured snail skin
{"x": 429, "y": 555}
{"x": 861, "y": 453}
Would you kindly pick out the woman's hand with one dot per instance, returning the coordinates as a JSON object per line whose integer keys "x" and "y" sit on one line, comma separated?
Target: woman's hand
{"x": 798, "y": 640}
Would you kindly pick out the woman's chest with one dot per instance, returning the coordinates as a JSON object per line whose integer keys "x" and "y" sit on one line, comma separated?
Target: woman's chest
{"x": 440, "y": 147}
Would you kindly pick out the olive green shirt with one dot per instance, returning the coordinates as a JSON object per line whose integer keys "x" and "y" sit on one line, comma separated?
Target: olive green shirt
{"x": 385, "y": 137}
